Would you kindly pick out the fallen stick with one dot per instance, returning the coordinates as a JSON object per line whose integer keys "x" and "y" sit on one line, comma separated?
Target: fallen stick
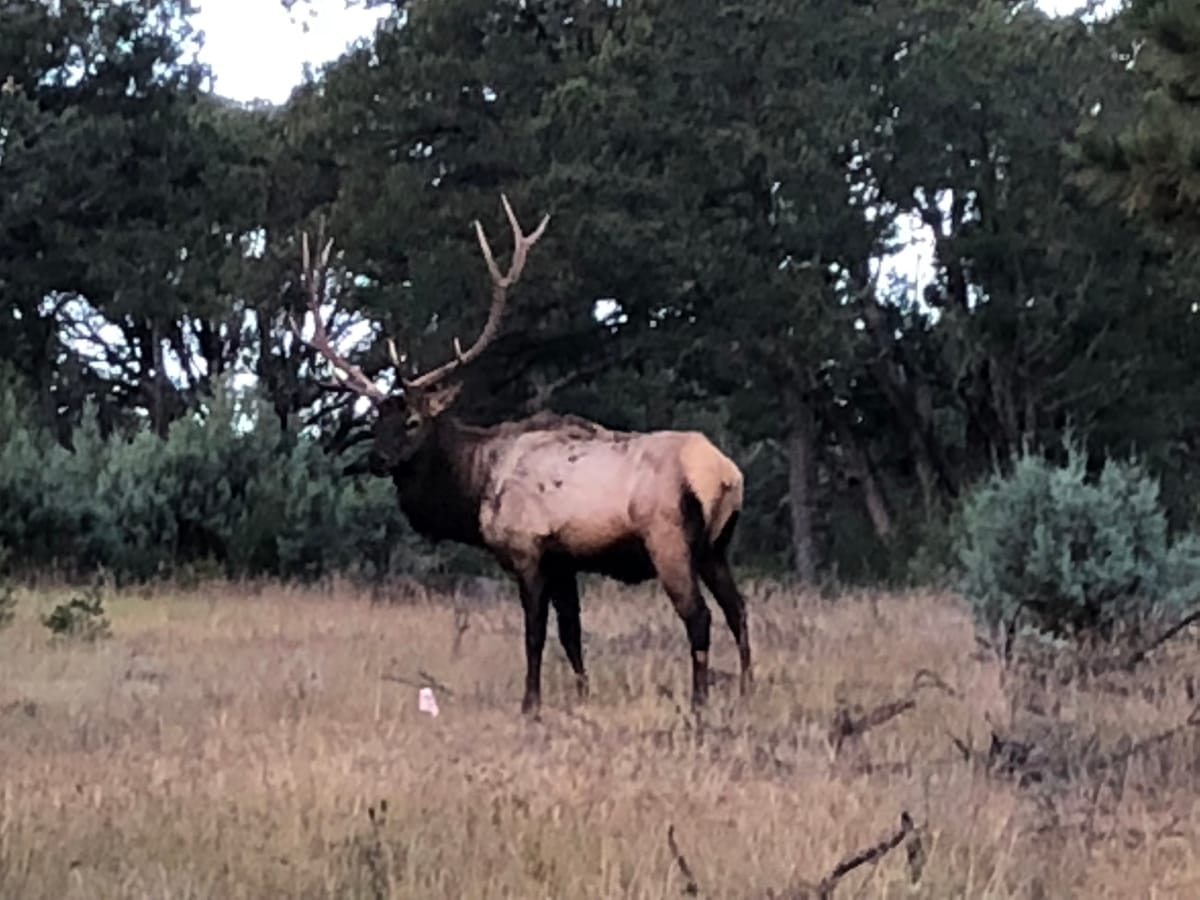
{"x": 689, "y": 887}
{"x": 863, "y": 857}
{"x": 1131, "y": 661}
{"x": 422, "y": 680}
{"x": 806, "y": 890}
{"x": 846, "y": 726}
{"x": 1114, "y": 759}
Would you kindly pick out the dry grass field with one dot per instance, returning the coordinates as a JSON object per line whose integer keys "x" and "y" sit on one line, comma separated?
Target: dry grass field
{"x": 243, "y": 741}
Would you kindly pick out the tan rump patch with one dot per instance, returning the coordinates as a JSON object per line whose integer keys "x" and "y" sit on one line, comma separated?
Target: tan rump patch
{"x": 715, "y": 480}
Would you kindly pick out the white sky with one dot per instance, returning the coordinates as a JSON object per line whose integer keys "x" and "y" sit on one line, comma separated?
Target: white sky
{"x": 257, "y": 49}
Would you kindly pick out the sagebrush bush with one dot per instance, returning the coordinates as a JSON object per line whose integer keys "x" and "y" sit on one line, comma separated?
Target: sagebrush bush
{"x": 8, "y": 597}
{"x": 8, "y": 604}
{"x": 227, "y": 488}
{"x": 80, "y": 618}
{"x": 8, "y": 601}
{"x": 1078, "y": 554}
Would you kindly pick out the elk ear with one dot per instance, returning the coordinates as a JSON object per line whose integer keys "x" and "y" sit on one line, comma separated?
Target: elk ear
{"x": 428, "y": 404}
{"x": 437, "y": 402}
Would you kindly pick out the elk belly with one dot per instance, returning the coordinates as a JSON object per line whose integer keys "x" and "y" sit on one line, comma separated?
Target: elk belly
{"x": 592, "y": 526}
{"x": 581, "y": 516}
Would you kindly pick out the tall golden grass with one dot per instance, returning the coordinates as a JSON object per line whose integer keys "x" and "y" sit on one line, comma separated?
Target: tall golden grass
{"x": 255, "y": 741}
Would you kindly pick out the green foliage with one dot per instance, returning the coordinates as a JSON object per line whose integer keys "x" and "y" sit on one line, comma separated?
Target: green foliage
{"x": 36, "y": 525}
{"x": 729, "y": 174}
{"x": 1079, "y": 553}
{"x": 80, "y": 618}
{"x": 8, "y": 604}
{"x": 932, "y": 560}
{"x": 1151, "y": 165}
{"x": 227, "y": 486}
{"x": 7, "y": 594}
{"x": 126, "y": 192}
{"x": 8, "y": 598}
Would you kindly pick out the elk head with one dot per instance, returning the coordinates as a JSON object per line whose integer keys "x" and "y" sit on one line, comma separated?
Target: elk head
{"x": 405, "y": 418}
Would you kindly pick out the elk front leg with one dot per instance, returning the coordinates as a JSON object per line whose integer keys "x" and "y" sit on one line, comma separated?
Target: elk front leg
{"x": 536, "y": 602}
{"x": 565, "y": 595}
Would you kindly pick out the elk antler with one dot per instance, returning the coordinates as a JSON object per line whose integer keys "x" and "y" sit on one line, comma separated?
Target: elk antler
{"x": 313, "y": 278}
{"x": 500, "y": 286}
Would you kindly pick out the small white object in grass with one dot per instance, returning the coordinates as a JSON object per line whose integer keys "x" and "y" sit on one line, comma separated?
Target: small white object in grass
{"x": 426, "y": 702}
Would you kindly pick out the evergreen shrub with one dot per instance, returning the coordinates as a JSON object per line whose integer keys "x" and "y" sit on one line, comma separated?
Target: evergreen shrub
{"x": 1078, "y": 554}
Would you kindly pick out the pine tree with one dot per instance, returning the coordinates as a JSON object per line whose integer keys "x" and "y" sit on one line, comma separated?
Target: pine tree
{"x": 1152, "y": 167}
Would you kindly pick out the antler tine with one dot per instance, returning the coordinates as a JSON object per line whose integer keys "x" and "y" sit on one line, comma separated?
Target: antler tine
{"x": 313, "y": 277}
{"x": 500, "y": 285}
{"x": 395, "y": 355}
{"x": 493, "y": 269}
{"x": 521, "y": 242}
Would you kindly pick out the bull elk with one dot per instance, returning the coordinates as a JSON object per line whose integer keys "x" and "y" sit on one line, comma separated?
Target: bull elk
{"x": 553, "y": 496}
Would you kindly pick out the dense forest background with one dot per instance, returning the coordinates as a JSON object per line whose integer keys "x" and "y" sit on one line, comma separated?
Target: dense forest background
{"x": 724, "y": 179}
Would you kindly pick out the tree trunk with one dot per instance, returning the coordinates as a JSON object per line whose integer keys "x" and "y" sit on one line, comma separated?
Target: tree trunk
{"x": 861, "y": 469}
{"x": 911, "y": 402}
{"x": 159, "y": 385}
{"x": 877, "y": 506}
{"x": 801, "y": 437}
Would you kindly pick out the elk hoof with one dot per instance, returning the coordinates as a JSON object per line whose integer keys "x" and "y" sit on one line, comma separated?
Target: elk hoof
{"x": 582, "y": 690}
{"x": 531, "y": 705}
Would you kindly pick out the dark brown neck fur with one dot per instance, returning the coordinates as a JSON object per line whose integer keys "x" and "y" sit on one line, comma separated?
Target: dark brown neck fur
{"x": 441, "y": 486}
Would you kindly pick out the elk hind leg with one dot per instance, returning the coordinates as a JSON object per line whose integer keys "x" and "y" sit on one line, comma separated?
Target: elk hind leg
{"x": 564, "y": 593}
{"x": 672, "y": 558}
{"x": 718, "y": 578}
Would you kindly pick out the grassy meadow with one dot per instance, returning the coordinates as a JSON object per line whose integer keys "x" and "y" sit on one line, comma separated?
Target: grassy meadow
{"x": 255, "y": 741}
